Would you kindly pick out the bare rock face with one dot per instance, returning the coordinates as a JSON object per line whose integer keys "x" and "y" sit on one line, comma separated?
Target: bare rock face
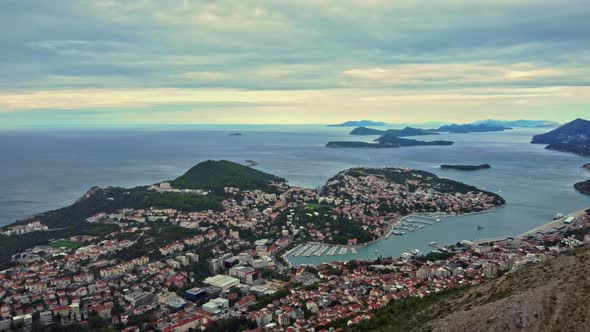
{"x": 554, "y": 296}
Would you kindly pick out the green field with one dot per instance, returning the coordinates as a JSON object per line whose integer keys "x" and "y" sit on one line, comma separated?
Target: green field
{"x": 65, "y": 244}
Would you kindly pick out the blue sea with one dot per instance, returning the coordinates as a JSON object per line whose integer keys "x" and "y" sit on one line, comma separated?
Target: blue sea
{"x": 45, "y": 169}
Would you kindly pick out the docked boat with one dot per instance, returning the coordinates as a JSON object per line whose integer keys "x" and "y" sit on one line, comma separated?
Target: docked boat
{"x": 406, "y": 255}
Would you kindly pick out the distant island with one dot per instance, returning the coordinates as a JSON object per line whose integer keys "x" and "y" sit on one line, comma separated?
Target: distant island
{"x": 518, "y": 123}
{"x": 235, "y": 134}
{"x": 572, "y": 137}
{"x": 407, "y": 131}
{"x": 359, "y": 123}
{"x": 390, "y": 138}
{"x": 389, "y": 142}
{"x": 471, "y": 128}
{"x": 466, "y": 167}
{"x": 583, "y": 187}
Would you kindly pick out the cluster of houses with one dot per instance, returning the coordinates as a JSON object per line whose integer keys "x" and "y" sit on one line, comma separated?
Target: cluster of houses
{"x": 90, "y": 282}
{"x": 34, "y": 226}
{"x": 376, "y": 202}
{"x": 353, "y": 293}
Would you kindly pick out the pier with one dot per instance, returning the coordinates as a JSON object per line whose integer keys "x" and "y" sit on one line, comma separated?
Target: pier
{"x": 319, "y": 250}
{"x": 412, "y": 223}
{"x": 417, "y": 221}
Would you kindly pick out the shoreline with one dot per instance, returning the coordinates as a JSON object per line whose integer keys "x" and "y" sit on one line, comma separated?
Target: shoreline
{"x": 545, "y": 227}
{"x": 551, "y": 224}
{"x": 390, "y": 228}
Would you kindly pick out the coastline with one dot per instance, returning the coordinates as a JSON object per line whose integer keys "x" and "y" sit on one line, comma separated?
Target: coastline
{"x": 387, "y": 234}
{"x": 551, "y": 224}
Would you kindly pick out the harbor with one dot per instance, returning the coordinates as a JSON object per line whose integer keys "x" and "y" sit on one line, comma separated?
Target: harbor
{"x": 438, "y": 231}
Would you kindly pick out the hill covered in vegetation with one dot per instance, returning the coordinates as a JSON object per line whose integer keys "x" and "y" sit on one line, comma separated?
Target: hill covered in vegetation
{"x": 72, "y": 220}
{"x": 214, "y": 175}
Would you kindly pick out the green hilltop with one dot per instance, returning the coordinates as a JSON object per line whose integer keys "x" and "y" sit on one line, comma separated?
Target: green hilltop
{"x": 215, "y": 175}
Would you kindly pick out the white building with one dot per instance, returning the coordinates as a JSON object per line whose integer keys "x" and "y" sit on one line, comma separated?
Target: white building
{"x": 216, "y": 306}
{"x": 222, "y": 281}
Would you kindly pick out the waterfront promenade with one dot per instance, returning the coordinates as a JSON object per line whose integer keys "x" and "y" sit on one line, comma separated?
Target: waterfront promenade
{"x": 553, "y": 224}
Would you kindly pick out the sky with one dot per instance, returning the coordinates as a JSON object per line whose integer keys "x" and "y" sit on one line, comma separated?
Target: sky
{"x": 154, "y": 62}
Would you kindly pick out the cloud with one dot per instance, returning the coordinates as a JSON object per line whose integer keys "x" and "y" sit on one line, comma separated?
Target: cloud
{"x": 460, "y": 73}
{"x": 135, "y": 54}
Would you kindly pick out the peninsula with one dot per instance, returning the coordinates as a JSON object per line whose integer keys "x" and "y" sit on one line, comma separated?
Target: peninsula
{"x": 466, "y": 167}
{"x": 221, "y": 194}
{"x": 571, "y": 137}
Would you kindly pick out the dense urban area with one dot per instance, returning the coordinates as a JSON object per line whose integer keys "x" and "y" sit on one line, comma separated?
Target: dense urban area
{"x": 202, "y": 254}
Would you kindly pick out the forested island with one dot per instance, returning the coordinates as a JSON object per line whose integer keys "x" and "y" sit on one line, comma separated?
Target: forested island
{"x": 391, "y": 138}
{"x": 389, "y": 142}
{"x": 466, "y": 167}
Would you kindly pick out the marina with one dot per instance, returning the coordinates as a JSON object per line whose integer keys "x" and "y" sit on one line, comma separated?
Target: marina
{"x": 413, "y": 223}
{"x": 320, "y": 250}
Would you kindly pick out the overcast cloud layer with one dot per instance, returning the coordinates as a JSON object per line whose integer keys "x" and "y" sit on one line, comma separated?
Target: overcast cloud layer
{"x": 311, "y": 61}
